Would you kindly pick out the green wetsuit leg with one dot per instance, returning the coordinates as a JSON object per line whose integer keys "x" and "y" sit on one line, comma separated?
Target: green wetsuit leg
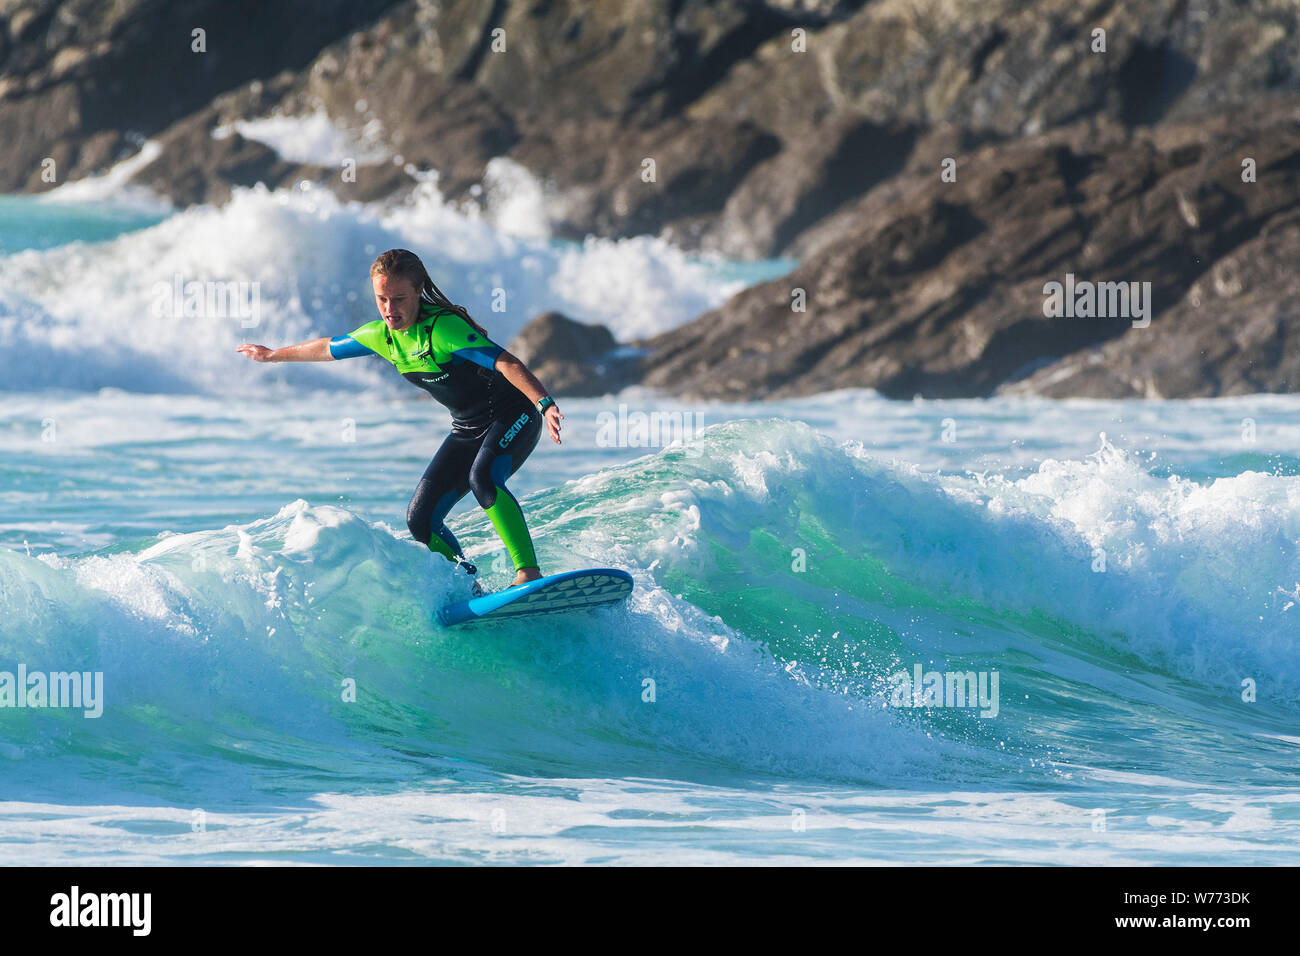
{"x": 508, "y": 519}
{"x": 505, "y": 447}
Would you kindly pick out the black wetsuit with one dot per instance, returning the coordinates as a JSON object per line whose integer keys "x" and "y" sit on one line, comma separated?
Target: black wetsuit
{"x": 494, "y": 425}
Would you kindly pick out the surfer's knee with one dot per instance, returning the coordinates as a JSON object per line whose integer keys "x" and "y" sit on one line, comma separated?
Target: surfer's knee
{"x": 425, "y": 520}
{"x": 417, "y": 520}
{"x": 486, "y": 481}
{"x": 426, "y": 514}
{"x": 484, "y": 488}
{"x": 419, "y": 512}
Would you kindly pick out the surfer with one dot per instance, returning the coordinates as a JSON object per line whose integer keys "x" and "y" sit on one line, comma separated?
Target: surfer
{"x": 497, "y": 405}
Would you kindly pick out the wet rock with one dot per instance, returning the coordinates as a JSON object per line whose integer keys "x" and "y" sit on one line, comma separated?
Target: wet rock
{"x": 573, "y": 358}
{"x": 938, "y": 289}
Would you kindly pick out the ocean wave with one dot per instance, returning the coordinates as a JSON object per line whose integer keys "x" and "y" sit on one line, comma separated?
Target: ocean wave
{"x": 781, "y": 579}
{"x": 163, "y": 308}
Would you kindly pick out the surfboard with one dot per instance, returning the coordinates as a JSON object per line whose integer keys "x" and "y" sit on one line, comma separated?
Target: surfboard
{"x": 570, "y": 591}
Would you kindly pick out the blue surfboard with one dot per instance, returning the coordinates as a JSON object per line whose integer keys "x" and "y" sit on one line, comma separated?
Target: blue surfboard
{"x": 570, "y": 591}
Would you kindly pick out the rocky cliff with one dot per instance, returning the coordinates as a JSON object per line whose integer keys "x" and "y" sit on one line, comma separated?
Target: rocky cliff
{"x": 932, "y": 164}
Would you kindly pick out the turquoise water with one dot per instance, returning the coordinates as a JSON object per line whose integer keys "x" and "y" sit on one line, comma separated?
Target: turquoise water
{"x": 231, "y": 554}
{"x": 29, "y": 223}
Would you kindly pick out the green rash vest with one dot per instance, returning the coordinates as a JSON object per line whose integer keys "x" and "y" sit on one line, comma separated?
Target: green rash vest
{"x": 444, "y": 355}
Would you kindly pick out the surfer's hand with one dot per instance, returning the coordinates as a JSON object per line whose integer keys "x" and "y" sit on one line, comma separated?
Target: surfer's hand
{"x": 553, "y": 417}
{"x": 258, "y": 353}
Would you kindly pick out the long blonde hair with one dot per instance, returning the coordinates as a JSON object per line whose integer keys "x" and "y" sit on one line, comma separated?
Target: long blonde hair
{"x": 404, "y": 264}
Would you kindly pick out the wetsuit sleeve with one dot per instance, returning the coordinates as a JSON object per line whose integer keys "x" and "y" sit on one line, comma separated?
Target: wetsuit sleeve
{"x": 362, "y": 341}
{"x": 345, "y": 346}
{"x": 453, "y": 334}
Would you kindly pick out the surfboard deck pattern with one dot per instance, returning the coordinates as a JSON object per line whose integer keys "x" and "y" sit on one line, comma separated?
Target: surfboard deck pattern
{"x": 572, "y": 590}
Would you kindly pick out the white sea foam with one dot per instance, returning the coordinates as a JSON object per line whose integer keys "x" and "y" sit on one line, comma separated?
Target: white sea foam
{"x": 313, "y": 138}
{"x": 307, "y": 255}
{"x": 112, "y": 186}
{"x": 224, "y": 646}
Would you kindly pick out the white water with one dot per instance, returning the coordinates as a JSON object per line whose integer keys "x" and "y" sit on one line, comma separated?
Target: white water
{"x": 226, "y": 543}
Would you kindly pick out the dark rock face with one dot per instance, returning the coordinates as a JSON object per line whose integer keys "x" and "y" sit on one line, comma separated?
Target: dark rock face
{"x": 808, "y": 103}
{"x": 813, "y": 128}
{"x": 1235, "y": 332}
{"x": 794, "y": 191}
{"x": 76, "y": 75}
{"x": 573, "y": 358}
{"x": 938, "y": 290}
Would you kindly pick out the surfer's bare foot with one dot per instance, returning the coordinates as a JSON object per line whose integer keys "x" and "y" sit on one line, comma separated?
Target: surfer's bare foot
{"x": 525, "y": 575}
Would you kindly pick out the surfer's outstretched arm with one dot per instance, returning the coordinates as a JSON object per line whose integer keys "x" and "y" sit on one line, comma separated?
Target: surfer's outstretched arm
{"x": 315, "y": 350}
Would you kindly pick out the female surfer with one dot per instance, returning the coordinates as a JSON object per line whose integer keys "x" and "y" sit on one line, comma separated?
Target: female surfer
{"x": 497, "y": 405}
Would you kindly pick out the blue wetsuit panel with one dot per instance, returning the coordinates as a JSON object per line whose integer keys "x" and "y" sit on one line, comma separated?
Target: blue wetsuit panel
{"x": 345, "y": 346}
{"x": 484, "y": 355}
